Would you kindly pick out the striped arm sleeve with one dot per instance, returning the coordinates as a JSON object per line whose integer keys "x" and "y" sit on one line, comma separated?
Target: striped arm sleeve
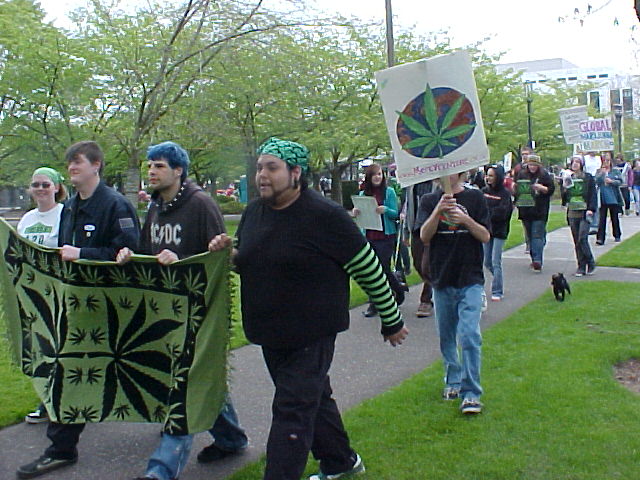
{"x": 366, "y": 270}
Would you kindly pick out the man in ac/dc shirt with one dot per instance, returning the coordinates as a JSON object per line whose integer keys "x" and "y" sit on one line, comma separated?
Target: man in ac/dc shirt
{"x": 181, "y": 221}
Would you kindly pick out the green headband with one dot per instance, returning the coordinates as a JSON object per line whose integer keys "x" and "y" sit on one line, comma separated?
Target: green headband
{"x": 53, "y": 175}
{"x": 295, "y": 154}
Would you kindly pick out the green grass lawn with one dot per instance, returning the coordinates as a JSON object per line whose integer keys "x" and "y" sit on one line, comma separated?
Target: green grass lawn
{"x": 625, "y": 254}
{"x": 516, "y": 232}
{"x": 553, "y": 410}
{"x": 18, "y": 397}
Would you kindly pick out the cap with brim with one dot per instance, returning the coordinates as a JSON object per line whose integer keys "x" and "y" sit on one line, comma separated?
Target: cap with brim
{"x": 534, "y": 159}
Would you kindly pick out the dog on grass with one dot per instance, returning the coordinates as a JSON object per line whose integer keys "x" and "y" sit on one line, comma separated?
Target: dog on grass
{"x": 560, "y": 286}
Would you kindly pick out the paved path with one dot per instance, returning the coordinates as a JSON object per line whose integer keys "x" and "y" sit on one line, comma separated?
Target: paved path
{"x": 363, "y": 367}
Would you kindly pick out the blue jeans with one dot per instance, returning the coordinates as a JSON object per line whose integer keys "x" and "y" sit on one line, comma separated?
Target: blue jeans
{"x": 493, "y": 262}
{"x": 537, "y": 233}
{"x": 168, "y": 460}
{"x": 458, "y": 319}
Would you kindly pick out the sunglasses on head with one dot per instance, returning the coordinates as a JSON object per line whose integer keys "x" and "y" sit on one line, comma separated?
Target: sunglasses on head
{"x": 40, "y": 184}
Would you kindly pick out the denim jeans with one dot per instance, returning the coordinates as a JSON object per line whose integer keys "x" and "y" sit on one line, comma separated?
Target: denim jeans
{"x": 493, "y": 262}
{"x": 580, "y": 232}
{"x": 537, "y": 233}
{"x": 168, "y": 460}
{"x": 636, "y": 198}
{"x": 458, "y": 319}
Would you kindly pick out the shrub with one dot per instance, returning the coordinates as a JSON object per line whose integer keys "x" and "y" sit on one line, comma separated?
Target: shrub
{"x": 232, "y": 207}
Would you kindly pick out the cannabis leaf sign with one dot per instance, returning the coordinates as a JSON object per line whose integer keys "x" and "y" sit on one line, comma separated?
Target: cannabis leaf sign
{"x": 102, "y": 342}
{"x": 435, "y": 123}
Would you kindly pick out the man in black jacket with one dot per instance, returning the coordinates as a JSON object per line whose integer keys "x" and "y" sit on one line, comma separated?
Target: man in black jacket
{"x": 535, "y": 187}
{"x": 181, "y": 221}
{"x": 95, "y": 224}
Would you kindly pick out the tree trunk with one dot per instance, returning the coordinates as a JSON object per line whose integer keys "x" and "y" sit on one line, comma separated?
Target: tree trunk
{"x": 132, "y": 185}
{"x": 336, "y": 185}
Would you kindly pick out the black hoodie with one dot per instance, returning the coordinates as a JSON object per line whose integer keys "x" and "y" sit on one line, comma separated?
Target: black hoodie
{"x": 185, "y": 225}
{"x": 500, "y": 205}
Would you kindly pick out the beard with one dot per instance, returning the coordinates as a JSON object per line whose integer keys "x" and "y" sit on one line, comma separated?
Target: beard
{"x": 272, "y": 200}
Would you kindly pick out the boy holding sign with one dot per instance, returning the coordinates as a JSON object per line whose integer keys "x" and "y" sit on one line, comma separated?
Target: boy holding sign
{"x": 455, "y": 225}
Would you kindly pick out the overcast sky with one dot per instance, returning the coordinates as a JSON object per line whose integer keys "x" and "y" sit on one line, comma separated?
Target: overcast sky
{"x": 525, "y": 30}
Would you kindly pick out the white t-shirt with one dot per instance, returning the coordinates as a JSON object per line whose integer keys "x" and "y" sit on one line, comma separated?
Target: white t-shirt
{"x": 41, "y": 227}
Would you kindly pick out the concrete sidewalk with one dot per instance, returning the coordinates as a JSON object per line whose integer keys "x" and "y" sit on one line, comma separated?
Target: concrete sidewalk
{"x": 363, "y": 367}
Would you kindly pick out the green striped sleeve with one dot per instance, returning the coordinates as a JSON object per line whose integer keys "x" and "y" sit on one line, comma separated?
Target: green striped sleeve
{"x": 366, "y": 270}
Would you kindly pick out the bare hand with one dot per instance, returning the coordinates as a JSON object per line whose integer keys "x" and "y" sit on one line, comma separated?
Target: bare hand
{"x": 220, "y": 242}
{"x": 398, "y": 337}
{"x": 447, "y": 203}
{"x": 608, "y": 181}
{"x": 124, "y": 255}
{"x": 167, "y": 257}
{"x": 69, "y": 253}
{"x": 380, "y": 209}
{"x": 457, "y": 216}
{"x": 355, "y": 212}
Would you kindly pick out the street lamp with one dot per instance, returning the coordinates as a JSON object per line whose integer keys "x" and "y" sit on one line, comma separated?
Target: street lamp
{"x": 527, "y": 90}
{"x": 617, "y": 111}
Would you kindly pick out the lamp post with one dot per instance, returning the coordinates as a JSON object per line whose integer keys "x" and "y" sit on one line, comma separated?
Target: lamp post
{"x": 617, "y": 111}
{"x": 390, "y": 50}
{"x": 527, "y": 90}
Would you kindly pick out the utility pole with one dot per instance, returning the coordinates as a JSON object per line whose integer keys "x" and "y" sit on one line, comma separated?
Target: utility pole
{"x": 527, "y": 89}
{"x": 391, "y": 60}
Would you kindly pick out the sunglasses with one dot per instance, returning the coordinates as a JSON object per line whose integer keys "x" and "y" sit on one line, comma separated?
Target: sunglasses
{"x": 40, "y": 184}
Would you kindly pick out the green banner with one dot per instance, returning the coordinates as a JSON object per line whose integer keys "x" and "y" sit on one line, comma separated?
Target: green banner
{"x": 524, "y": 194}
{"x": 137, "y": 343}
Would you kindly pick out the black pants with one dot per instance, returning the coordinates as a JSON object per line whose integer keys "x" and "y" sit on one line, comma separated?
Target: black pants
{"x": 613, "y": 210}
{"x": 420, "y": 254}
{"x": 384, "y": 251}
{"x": 64, "y": 440}
{"x": 305, "y": 417}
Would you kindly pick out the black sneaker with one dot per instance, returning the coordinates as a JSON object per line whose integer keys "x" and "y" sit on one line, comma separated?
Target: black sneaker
{"x": 213, "y": 453}
{"x": 42, "y": 465}
{"x": 591, "y": 269}
{"x": 371, "y": 311}
{"x": 39, "y": 415}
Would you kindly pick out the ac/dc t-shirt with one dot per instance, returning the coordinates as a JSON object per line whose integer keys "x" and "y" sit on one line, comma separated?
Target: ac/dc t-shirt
{"x": 455, "y": 255}
{"x": 293, "y": 285}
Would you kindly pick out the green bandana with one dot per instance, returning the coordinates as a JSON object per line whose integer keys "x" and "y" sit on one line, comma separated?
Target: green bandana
{"x": 295, "y": 154}
{"x": 53, "y": 175}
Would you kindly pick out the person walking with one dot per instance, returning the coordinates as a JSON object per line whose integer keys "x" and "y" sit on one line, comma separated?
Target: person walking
{"x": 636, "y": 186}
{"x": 295, "y": 250}
{"x": 95, "y": 224}
{"x": 41, "y": 225}
{"x": 180, "y": 222}
{"x": 535, "y": 186}
{"x": 500, "y": 206}
{"x": 579, "y": 195}
{"x": 608, "y": 180}
{"x": 456, "y": 227}
{"x": 383, "y": 242}
{"x": 626, "y": 179}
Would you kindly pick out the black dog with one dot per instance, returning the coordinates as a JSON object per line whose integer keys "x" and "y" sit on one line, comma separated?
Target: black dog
{"x": 560, "y": 285}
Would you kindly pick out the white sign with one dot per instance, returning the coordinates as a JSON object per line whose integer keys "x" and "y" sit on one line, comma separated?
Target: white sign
{"x": 367, "y": 217}
{"x": 596, "y": 135}
{"x": 570, "y": 119}
{"x": 433, "y": 117}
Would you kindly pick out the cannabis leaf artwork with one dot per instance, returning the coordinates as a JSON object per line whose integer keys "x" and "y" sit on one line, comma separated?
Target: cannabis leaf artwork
{"x": 435, "y": 123}
{"x": 101, "y": 342}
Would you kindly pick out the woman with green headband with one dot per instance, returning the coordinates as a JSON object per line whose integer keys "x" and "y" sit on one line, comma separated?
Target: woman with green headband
{"x": 41, "y": 225}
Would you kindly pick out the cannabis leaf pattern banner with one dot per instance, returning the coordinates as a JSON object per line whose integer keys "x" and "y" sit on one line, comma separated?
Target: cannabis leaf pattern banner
{"x": 102, "y": 342}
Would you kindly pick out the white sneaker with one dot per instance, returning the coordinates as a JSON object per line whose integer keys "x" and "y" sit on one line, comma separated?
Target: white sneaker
{"x": 484, "y": 302}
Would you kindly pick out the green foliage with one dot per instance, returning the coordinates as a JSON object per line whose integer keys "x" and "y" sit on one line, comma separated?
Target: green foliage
{"x": 232, "y": 208}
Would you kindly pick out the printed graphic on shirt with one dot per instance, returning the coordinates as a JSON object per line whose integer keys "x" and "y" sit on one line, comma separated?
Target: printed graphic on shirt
{"x": 448, "y": 226}
{"x": 166, "y": 234}
{"x": 38, "y": 232}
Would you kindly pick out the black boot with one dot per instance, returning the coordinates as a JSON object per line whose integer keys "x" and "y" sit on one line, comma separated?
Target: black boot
{"x": 371, "y": 311}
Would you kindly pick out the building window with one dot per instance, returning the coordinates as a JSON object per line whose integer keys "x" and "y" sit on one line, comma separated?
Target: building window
{"x": 573, "y": 78}
{"x": 627, "y": 100}
{"x": 614, "y": 95}
{"x": 603, "y": 75}
{"x": 594, "y": 100}
{"x": 591, "y": 76}
{"x": 561, "y": 79}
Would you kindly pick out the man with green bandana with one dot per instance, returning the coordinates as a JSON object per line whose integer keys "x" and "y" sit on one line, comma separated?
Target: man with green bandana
{"x": 296, "y": 251}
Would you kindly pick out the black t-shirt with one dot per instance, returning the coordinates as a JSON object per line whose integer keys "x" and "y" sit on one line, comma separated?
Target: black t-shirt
{"x": 455, "y": 255}
{"x": 293, "y": 285}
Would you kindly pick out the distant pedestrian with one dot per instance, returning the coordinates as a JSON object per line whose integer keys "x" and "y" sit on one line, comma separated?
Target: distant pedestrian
{"x": 383, "y": 242}
{"x": 534, "y": 189}
{"x": 579, "y": 195}
{"x": 608, "y": 180}
{"x": 456, "y": 226}
{"x": 500, "y": 209}
{"x": 636, "y": 186}
{"x": 626, "y": 179}
{"x": 296, "y": 252}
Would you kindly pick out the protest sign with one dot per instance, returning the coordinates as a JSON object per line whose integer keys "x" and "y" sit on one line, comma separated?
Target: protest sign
{"x": 570, "y": 119}
{"x": 138, "y": 343}
{"x": 433, "y": 118}
{"x": 596, "y": 135}
{"x": 367, "y": 217}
